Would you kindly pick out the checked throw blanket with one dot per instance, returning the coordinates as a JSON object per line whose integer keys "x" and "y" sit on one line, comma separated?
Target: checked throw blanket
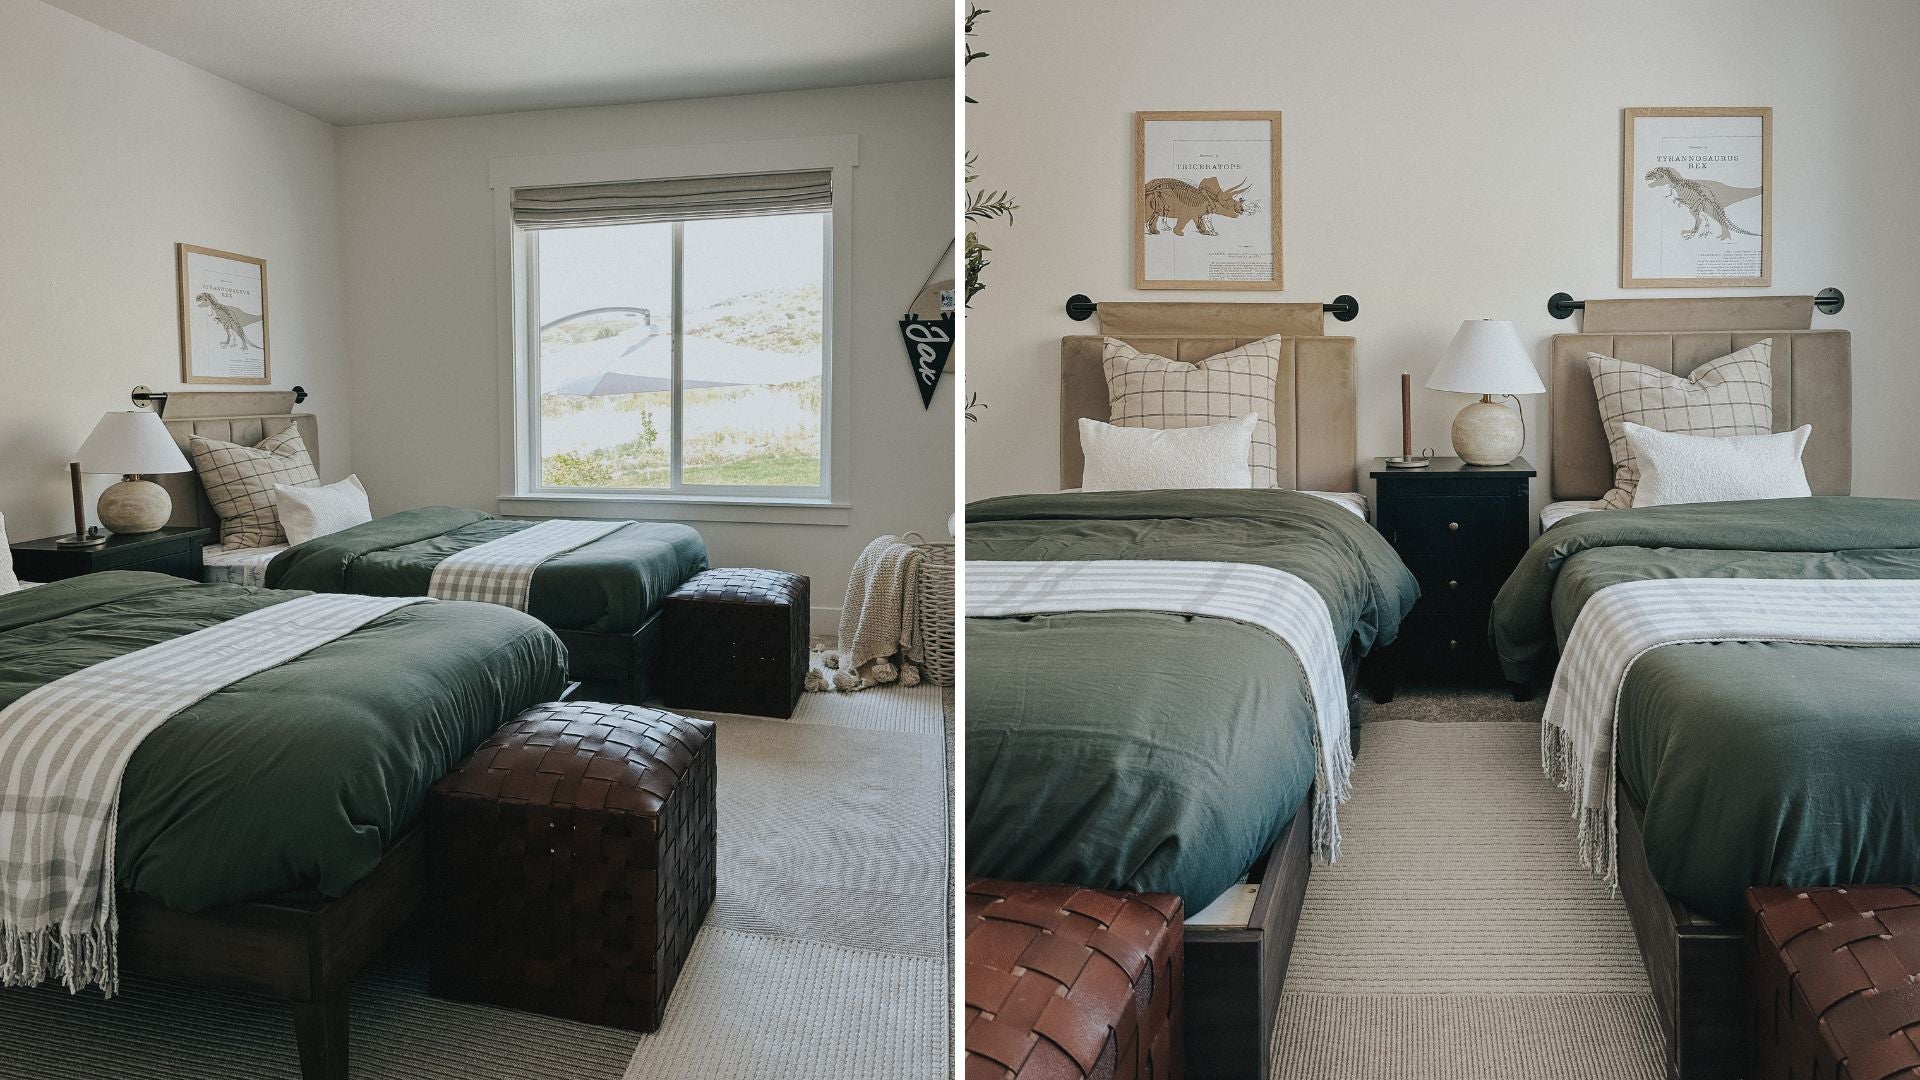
{"x": 501, "y": 571}
{"x": 64, "y": 747}
{"x": 1272, "y": 600}
{"x": 1621, "y": 623}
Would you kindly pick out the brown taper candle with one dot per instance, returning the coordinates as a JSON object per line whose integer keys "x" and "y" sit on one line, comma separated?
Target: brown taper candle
{"x": 1406, "y": 415}
{"x": 79, "y": 501}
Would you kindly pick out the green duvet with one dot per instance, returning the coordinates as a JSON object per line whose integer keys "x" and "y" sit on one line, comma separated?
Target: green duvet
{"x": 612, "y": 585}
{"x": 1757, "y": 762}
{"x": 1155, "y": 752}
{"x": 291, "y": 782}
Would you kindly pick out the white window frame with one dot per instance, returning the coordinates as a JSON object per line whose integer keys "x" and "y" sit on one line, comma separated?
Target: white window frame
{"x": 520, "y": 493}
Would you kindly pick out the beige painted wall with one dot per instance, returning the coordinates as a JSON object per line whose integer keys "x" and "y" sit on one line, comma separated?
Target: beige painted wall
{"x": 421, "y": 289}
{"x": 1443, "y": 162}
{"x": 110, "y": 153}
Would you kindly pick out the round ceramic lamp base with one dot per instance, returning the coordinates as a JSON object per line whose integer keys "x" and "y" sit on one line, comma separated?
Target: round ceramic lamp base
{"x": 1488, "y": 433}
{"x": 131, "y": 507}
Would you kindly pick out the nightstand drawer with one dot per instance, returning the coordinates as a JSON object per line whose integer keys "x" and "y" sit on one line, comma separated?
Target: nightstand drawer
{"x": 1445, "y": 643}
{"x": 1457, "y": 584}
{"x": 1456, "y": 525}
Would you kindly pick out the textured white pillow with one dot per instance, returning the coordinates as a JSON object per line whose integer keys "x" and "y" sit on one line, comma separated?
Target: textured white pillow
{"x": 8, "y": 582}
{"x": 1140, "y": 459}
{"x": 307, "y": 512}
{"x": 1677, "y": 468}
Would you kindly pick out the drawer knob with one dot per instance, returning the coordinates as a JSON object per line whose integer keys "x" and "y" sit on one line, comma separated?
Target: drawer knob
{"x": 1452, "y": 644}
{"x": 1453, "y": 584}
{"x": 1453, "y": 526}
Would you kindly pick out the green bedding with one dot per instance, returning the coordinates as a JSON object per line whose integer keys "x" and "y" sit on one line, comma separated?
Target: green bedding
{"x": 1757, "y": 762}
{"x": 1143, "y": 751}
{"x": 291, "y": 782}
{"x": 612, "y": 585}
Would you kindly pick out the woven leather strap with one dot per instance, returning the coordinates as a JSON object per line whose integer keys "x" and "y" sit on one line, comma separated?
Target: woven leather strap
{"x": 587, "y": 755}
{"x": 1847, "y": 961}
{"x": 743, "y": 585}
{"x": 1070, "y": 982}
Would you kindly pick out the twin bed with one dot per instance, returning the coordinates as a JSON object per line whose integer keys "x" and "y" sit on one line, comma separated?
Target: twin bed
{"x": 1111, "y": 749}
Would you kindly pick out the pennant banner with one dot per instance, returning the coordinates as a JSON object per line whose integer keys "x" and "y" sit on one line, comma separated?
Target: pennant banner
{"x": 929, "y": 342}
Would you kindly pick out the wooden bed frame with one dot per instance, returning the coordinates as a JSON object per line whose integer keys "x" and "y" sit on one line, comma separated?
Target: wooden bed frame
{"x": 1697, "y": 967}
{"x": 614, "y": 667}
{"x": 304, "y": 954}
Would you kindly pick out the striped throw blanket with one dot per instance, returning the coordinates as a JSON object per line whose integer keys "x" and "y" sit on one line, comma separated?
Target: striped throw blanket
{"x": 1272, "y": 600}
{"x": 501, "y": 571}
{"x": 63, "y": 749}
{"x": 1622, "y": 623}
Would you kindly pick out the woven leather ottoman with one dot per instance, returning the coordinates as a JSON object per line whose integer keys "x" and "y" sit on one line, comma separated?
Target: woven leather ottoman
{"x": 1065, "y": 983}
{"x": 736, "y": 641}
{"x": 571, "y": 862}
{"x": 1834, "y": 991}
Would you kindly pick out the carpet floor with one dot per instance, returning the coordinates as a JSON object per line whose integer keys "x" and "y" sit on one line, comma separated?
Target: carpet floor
{"x": 826, "y": 954}
{"x": 1458, "y": 936}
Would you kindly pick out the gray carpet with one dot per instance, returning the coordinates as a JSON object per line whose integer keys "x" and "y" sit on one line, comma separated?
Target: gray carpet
{"x": 825, "y": 956}
{"x": 1458, "y": 936}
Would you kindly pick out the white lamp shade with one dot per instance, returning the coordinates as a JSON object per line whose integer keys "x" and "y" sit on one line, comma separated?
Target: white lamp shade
{"x": 131, "y": 442}
{"x": 1486, "y": 357}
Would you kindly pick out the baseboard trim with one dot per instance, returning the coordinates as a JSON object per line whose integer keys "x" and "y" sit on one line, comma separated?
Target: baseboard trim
{"x": 824, "y": 623}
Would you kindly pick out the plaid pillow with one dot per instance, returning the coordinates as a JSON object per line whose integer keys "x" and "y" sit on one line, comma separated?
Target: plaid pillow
{"x": 1148, "y": 391}
{"x": 239, "y": 483}
{"x": 1729, "y": 396}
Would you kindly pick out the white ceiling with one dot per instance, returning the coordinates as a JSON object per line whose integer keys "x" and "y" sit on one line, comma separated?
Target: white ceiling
{"x": 370, "y": 61}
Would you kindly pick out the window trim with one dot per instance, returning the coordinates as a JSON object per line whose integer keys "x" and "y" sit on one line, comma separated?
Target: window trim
{"x": 518, "y": 467}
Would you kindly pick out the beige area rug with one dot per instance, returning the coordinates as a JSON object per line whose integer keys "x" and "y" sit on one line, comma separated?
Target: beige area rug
{"x": 1458, "y": 936}
{"x": 825, "y": 956}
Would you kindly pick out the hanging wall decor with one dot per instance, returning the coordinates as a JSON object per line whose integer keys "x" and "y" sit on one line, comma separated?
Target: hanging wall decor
{"x": 1207, "y": 200}
{"x": 927, "y": 331}
{"x": 1695, "y": 209}
{"x": 223, "y": 317}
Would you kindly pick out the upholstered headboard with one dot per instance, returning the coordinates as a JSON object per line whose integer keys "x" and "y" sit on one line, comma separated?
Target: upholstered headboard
{"x": 1812, "y": 378}
{"x": 1313, "y": 399}
{"x": 242, "y": 417}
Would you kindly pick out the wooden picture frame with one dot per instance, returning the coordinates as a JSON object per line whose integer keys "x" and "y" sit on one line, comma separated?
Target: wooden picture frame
{"x": 223, "y": 317}
{"x": 1696, "y": 205}
{"x": 1221, "y": 229}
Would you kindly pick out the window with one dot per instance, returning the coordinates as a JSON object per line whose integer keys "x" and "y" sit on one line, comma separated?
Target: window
{"x": 674, "y": 337}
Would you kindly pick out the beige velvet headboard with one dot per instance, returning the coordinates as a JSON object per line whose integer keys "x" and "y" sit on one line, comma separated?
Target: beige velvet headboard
{"x": 231, "y": 416}
{"x": 1812, "y": 378}
{"x": 1313, "y": 399}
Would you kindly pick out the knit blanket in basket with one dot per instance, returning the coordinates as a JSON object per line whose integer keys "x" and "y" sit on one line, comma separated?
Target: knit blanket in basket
{"x": 1273, "y": 600}
{"x": 1622, "y": 623}
{"x": 881, "y": 618}
{"x": 501, "y": 571}
{"x": 64, "y": 747}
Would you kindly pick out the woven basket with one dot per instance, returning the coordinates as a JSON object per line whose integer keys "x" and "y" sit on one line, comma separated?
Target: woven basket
{"x": 936, "y": 611}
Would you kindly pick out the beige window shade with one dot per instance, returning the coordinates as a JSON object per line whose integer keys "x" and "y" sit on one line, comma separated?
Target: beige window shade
{"x": 686, "y": 199}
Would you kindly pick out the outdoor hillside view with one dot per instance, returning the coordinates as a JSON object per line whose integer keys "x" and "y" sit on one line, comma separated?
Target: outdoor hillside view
{"x": 751, "y": 358}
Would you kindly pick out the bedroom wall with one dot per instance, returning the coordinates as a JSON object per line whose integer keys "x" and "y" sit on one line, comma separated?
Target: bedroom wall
{"x": 112, "y": 154}
{"x": 421, "y": 287}
{"x": 1442, "y": 162}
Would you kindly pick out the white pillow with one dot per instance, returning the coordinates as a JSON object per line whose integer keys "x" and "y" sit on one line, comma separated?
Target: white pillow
{"x": 8, "y": 582}
{"x": 1139, "y": 459}
{"x": 1678, "y": 468}
{"x": 307, "y": 512}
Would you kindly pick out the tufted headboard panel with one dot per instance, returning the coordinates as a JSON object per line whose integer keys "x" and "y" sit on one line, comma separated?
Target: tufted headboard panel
{"x": 235, "y": 417}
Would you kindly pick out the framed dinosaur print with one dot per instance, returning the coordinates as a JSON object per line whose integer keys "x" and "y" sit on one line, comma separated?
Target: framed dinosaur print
{"x": 1696, "y": 205}
{"x": 223, "y": 317}
{"x": 1206, "y": 209}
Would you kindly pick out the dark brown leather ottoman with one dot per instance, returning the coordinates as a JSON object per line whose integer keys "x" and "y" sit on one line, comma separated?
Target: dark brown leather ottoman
{"x": 571, "y": 862}
{"x": 736, "y": 641}
{"x": 1834, "y": 990}
{"x": 1065, "y": 983}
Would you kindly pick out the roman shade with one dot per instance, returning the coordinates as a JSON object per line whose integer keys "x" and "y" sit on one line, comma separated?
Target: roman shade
{"x": 689, "y": 198}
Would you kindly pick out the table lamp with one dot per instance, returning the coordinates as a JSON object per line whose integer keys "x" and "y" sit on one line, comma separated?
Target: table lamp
{"x": 129, "y": 443}
{"x": 1486, "y": 358}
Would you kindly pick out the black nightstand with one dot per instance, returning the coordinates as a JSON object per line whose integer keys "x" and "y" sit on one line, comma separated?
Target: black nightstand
{"x": 1461, "y": 529}
{"x": 168, "y": 551}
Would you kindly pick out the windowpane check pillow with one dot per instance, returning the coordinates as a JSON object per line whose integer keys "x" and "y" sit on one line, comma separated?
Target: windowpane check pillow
{"x": 1729, "y": 396}
{"x": 239, "y": 482}
{"x": 1149, "y": 391}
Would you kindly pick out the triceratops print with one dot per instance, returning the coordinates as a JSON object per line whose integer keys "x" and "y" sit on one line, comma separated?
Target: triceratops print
{"x": 1183, "y": 204}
